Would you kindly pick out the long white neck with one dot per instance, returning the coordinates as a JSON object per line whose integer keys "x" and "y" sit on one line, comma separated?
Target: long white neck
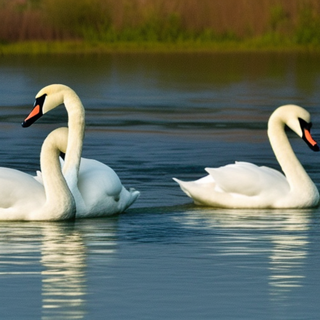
{"x": 297, "y": 177}
{"x": 59, "y": 203}
{"x": 76, "y": 124}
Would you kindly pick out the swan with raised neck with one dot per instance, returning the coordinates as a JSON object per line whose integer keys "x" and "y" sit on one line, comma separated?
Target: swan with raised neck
{"x": 245, "y": 185}
{"x": 98, "y": 190}
{"x": 303, "y": 191}
{"x": 49, "y": 98}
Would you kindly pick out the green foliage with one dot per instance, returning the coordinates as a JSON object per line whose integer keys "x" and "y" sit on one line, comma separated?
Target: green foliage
{"x": 154, "y": 29}
{"x": 109, "y": 23}
{"x": 278, "y": 17}
{"x": 90, "y": 20}
{"x": 308, "y": 30}
{"x": 35, "y": 3}
{"x": 78, "y": 17}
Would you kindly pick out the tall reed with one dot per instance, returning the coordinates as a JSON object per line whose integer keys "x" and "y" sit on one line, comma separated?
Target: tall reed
{"x": 160, "y": 20}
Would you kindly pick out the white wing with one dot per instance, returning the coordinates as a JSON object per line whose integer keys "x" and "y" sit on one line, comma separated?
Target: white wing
{"x": 247, "y": 179}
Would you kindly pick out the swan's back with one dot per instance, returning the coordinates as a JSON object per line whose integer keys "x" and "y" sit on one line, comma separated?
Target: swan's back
{"x": 248, "y": 179}
{"x": 238, "y": 185}
{"x": 102, "y": 190}
{"x": 19, "y": 193}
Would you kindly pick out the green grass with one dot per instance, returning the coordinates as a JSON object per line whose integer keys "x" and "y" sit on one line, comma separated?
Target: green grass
{"x": 96, "y": 47}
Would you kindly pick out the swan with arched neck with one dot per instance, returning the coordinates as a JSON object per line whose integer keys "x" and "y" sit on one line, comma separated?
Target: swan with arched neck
{"x": 95, "y": 186}
{"x": 24, "y": 198}
{"x": 245, "y": 185}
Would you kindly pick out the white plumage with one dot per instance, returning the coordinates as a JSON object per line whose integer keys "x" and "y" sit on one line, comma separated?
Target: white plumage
{"x": 96, "y": 188}
{"x": 245, "y": 185}
{"x": 24, "y": 198}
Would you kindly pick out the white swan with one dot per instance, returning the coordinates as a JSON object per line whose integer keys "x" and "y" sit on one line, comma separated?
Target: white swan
{"x": 245, "y": 185}
{"x": 24, "y": 198}
{"x": 99, "y": 191}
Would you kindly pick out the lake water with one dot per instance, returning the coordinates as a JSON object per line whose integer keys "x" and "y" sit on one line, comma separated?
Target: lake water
{"x": 152, "y": 117}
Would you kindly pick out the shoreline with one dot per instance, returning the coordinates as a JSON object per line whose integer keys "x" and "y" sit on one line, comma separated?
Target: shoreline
{"x": 86, "y": 47}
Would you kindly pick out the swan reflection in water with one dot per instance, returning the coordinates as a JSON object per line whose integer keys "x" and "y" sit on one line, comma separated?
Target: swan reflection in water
{"x": 63, "y": 258}
{"x": 63, "y": 249}
{"x": 279, "y": 236}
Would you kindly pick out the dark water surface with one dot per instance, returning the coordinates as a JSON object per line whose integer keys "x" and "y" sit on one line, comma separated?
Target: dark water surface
{"x": 153, "y": 117}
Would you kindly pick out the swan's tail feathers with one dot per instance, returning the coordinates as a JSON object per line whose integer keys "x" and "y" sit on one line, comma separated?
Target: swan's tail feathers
{"x": 183, "y": 186}
{"x": 133, "y": 196}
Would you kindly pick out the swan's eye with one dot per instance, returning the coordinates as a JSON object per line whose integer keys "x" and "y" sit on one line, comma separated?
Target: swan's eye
{"x": 40, "y": 100}
{"x": 304, "y": 124}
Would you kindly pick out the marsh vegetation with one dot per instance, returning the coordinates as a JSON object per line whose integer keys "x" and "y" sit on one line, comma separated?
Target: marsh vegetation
{"x": 160, "y": 24}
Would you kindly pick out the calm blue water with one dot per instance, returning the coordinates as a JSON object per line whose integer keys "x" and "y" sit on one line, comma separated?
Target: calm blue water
{"x": 151, "y": 117}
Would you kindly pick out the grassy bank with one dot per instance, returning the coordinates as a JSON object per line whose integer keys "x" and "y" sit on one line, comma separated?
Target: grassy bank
{"x": 65, "y": 26}
{"x": 83, "y": 47}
